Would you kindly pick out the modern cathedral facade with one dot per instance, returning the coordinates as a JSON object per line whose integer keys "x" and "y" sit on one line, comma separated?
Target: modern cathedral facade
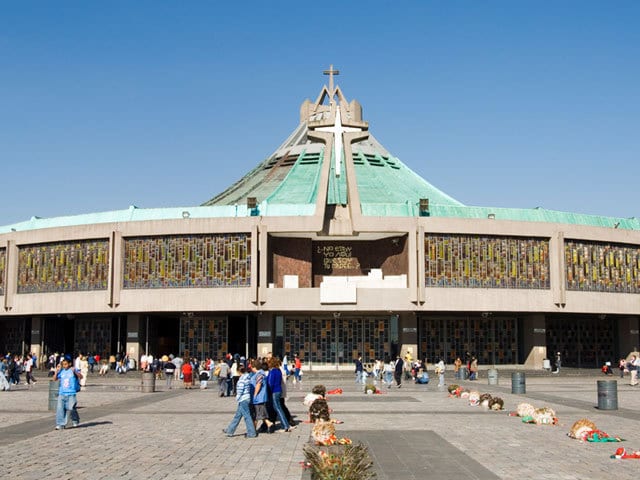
{"x": 330, "y": 247}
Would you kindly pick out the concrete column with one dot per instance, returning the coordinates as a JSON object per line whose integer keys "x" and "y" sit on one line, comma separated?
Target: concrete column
{"x": 37, "y": 324}
{"x": 535, "y": 340}
{"x": 265, "y": 335}
{"x": 134, "y": 343}
{"x": 408, "y": 334}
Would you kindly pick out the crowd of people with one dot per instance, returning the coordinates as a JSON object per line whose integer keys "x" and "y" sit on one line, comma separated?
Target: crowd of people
{"x": 396, "y": 370}
{"x": 13, "y": 366}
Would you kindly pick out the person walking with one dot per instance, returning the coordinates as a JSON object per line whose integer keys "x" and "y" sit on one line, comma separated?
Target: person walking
{"x": 359, "y": 369}
{"x": 28, "y": 370}
{"x": 260, "y": 397}
{"x": 222, "y": 371}
{"x": 169, "y": 370}
{"x": 69, "y": 386}
{"x": 440, "y": 368}
{"x": 274, "y": 381}
{"x": 243, "y": 397}
{"x": 297, "y": 370}
{"x": 4, "y": 371}
{"x": 387, "y": 371}
{"x": 398, "y": 370}
{"x": 632, "y": 366}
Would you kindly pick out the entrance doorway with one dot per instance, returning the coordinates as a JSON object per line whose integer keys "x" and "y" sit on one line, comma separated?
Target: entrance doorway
{"x": 337, "y": 340}
{"x": 242, "y": 335}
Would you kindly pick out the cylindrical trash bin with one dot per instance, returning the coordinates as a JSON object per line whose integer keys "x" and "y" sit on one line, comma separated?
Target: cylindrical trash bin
{"x": 492, "y": 376}
{"x": 54, "y": 388}
{"x": 148, "y": 382}
{"x": 607, "y": 395}
{"x": 463, "y": 373}
{"x": 518, "y": 383}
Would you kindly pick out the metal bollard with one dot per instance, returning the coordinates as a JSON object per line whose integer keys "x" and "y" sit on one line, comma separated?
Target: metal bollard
{"x": 54, "y": 388}
{"x": 148, "y": 382}
{"x": 607, "y": 395}
{"x": 518, "y": 383}
{"x": 492, "y": 376}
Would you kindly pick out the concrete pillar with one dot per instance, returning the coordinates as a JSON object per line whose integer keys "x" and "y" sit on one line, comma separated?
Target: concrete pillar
{"x": 535, "y": 340}
{"x": 37, "y": 324}
{"x": 134, "y": 340}
{"x": 265, "y": 335}
{"x": 408, "y": 333}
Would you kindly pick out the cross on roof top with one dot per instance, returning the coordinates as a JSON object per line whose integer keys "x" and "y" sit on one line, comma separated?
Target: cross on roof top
{"x": 331, "y": 72}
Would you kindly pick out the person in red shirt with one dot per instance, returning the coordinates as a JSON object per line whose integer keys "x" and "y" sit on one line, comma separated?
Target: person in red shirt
{"x": 187, "y": 375}
{"x": 297, "y": 371}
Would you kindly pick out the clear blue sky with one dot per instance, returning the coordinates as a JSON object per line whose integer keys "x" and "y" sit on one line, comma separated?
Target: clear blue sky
{"x": 157, "y": 104}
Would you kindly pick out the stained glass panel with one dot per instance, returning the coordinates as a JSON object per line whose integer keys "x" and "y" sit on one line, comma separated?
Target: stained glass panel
{"x": 63, "y": 266}
{"x": 602, "y": 267}
{"x": 470, "y": 261}
{"x": 219, "y": 260}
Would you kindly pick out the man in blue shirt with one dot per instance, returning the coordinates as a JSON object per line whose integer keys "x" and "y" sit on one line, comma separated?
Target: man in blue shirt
{"x": 69, "y": 383}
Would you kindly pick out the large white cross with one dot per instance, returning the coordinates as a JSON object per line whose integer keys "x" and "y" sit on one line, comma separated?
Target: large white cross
{"x": 337, "y": 131}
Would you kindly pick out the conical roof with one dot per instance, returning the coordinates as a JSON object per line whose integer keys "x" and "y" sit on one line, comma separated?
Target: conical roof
{"x": 292, "y": 174}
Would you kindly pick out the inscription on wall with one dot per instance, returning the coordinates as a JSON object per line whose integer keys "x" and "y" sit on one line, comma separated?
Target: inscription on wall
{"x": 337, "y": 257}
{"x": 347, "y": 258}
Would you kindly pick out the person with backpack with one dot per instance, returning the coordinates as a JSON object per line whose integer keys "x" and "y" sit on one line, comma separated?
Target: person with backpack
{"x": 222, "y": 372}
{"x": 169, "y": 370}
{"x": 69, "y": 386}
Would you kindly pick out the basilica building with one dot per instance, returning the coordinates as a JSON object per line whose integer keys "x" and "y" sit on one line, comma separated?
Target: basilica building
{"x": 330, "y": 247}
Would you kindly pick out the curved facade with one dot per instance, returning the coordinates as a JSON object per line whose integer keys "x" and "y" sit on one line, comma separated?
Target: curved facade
{"x": 331, "y": 246}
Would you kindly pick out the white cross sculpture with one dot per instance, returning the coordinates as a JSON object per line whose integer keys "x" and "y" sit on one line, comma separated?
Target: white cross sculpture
{"x": 337, "y": 131}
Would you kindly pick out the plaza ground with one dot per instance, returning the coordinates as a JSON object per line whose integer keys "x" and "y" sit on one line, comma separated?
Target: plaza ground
{"x": 414, "y": 432}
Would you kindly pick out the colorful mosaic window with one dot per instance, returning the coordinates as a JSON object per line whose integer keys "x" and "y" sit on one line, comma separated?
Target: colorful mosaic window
{"x": 3, "y": 264}
{"x": 337, "y": 341}
{"x": 486, "y": 338}
{"x": 472, "y": 261}
{"x": 63, "y": 266}
{"x": 203, "y": 337}
{"x": 602, "y": 267}
{"x": 222, "y": 260}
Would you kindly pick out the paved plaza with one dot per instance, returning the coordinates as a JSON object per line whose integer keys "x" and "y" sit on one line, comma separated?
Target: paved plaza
{"x": 414, "y": 432}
